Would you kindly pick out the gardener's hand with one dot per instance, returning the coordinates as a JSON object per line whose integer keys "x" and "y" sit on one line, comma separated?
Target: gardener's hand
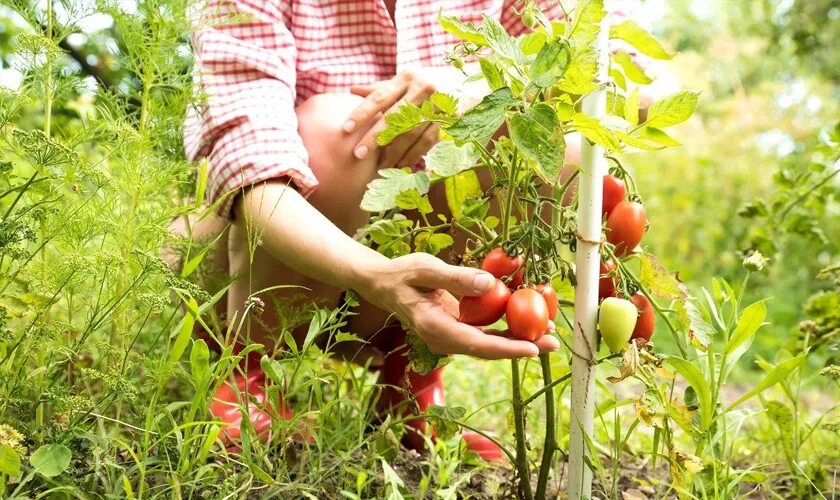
{"x": 417, "y": 288}
{"x": 380, "y": 99}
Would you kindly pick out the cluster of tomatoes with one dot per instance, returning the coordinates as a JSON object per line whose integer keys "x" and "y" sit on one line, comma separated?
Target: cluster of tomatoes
{"x": 621, "y": 320}
{"x": 528, "y": 310}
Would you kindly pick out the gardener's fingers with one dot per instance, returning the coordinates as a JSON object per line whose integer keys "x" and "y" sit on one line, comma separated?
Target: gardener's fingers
{"x": 445, "y": 335}
{"x": 546, "y": 343}
{"x": 425, "y": 271}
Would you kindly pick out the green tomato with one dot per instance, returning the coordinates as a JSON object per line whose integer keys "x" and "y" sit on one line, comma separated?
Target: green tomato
{"x": 616, "y": 320}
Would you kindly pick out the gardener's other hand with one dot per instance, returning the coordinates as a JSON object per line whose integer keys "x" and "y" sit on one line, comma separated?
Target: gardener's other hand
{"x": 418, "y": 288}
{"x": 380, "y": 99}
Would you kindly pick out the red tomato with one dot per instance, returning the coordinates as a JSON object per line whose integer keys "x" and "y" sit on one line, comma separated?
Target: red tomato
{"x": 647, "y": 320}
{"x": 485, "y": 309}
{"x": 613, "y": 193}
{"x": 626, "y": 226}
{"x": 527, "y": 314}
{"x": 550, "y": 296}
{"x": 501, "y": 265}
{"x": 606, "y": 284}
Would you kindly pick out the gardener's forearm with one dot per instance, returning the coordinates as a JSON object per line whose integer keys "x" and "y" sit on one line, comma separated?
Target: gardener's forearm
{"x": 298, "y": 235}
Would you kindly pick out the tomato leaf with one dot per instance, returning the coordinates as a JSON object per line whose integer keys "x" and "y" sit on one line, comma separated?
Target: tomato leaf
{"x": 382, "y": 193}
{"x": 465, "y": 31}
{"x": 432, "y": 243}
{"x": 550, "y": 64}
{"x": 420, "y": 358}
{"x": 587, "y": 15}
{"x": 482, "y": 121}
{"x": 444, "y": 419}
{"x": 672, "y": 110}
{"x": 636, "y": 36}
{"x": 579, "y": 78}
{"x": 657, "y": 279}
{"x": 777, "y": 374}
{"x": 593, "y": 130}
{"x": 500, "y": 41}
{"x": 632, "y": 70}
{"x": 491, "y": 73}
{"x": 446, "y": 158}
{"x": 51, "y": 460}
{"x": 695, "y": 379}
{"x": 535, "y": 134}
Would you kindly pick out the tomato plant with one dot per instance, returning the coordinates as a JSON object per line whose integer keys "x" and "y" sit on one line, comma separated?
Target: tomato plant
{"x": 527, "y": 314}
{"x": 484, "y": 309}
{"x": 626, "y": 226}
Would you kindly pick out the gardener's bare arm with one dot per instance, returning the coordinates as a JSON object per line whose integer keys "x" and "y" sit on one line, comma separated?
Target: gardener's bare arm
{"x": 415, "y": 287}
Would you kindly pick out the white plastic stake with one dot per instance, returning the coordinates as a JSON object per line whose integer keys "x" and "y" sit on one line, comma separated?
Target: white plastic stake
{"x": 593, "y": 167}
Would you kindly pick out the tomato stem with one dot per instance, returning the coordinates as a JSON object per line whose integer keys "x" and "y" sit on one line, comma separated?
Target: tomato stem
{"x": 521, "y": 462}
{"x": 550, "y": 442}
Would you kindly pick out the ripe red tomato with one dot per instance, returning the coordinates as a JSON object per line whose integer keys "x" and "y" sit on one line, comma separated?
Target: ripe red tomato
{"x": 550, "y": 296}
{"x": 606, "y": 284}
{"x": 501, "y": 265}
{"x": 647, "y": 320}
{"x": 626, "y": 226}
{"x": 613, "y": 193}
{"x": 485, "y": 309}
{"x": 527, "y": 314}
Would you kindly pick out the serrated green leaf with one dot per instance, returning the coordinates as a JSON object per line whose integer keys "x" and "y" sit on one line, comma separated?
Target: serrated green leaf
{"x": 587, "y": 21}
{"x": 632, "y": 70}
{"x": 446, "y": 158}
{"x": 700, "y": 331}
{"x": 382, "y": 193}
{"x": 51, "y": 460}
{"x": 579, "y": 78}
{"x": 412, "y": 200}
{"x": 633, "y": 34}
{"x": 444, "y": 419}
{"x": 550, "y": 64}
{"x": 444, "y": 102}
{"x": 405, "y": 118}
{"x": 657, "y": 279}
{"x": 420, "y": 358}
{"x": 465, "y": 31}
{"x": 531, "y": 43}
{"x": 482, "y": 121}
{"x": 500, "y": 41}
{"x": 9, "y": 461}
{"x": 432, "y": 243}
{"x": 672, "y": 110}
{"x": 491, "y": 73}
{"x": 536, "y": 135}
{"x": 593, "y": 130}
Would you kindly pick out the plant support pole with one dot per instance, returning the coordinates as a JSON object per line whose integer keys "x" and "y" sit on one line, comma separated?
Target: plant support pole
{"x": 593, "y": 167}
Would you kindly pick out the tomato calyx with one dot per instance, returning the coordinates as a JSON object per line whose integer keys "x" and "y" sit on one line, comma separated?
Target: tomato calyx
{"x": 505, "y": 266}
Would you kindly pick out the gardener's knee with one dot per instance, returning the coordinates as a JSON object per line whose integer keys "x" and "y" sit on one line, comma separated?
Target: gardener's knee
{"x": 341, "y": 176}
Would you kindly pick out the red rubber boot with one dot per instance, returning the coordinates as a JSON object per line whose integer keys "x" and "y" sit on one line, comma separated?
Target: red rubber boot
{"x": 229, "y": 397}
{"x": 426, "y": 390}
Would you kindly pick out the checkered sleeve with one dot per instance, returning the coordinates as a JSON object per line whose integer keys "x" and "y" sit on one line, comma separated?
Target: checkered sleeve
{"x": 245, "y": 122}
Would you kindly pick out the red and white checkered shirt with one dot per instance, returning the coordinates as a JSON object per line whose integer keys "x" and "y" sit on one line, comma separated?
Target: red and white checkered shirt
{"x": 256, "y": 59}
